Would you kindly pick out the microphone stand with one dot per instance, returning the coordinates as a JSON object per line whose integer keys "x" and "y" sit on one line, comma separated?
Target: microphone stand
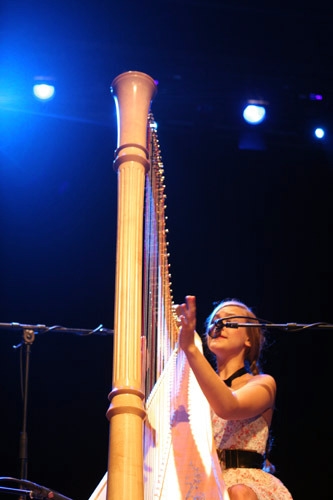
{"x": 36, "y": 491}
{"x": 15, "y": 491}
{"x": 28, "y": 339}
{"x": 29, "y": 332}
{"x": 289, "y": 327}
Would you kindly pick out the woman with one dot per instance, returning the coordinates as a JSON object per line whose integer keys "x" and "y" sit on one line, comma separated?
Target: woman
{"x": 240, "y": 396}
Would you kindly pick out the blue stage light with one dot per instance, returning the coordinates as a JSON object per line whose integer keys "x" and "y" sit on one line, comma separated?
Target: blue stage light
{"x": 43, "y": 88}
{"x": 254, "y": 114}
{"x": 43, "y": 91}
{"x": 319, "y": 133}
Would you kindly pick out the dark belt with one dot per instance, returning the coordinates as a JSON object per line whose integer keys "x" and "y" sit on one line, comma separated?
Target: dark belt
{"x": 233, "y": 459}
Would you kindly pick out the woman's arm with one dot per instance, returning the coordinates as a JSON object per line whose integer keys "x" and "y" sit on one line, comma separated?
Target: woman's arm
{"x": 248, "y": 401}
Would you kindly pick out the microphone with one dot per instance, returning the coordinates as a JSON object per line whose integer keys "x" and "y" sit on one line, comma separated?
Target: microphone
{"x": 221, "y": 323}
{"x": 39, "y": 492}
{"x": 216, "y": 330}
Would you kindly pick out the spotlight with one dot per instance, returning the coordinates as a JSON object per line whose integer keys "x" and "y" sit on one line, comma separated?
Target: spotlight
{"x": 254, "y": 113}
{"x": 43, "y": 88}
{"x": 319, "y": 133}
{"x": 315, "y": 97}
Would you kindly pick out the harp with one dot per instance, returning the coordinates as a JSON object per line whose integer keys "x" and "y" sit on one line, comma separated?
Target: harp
{"x": 160, "y": 439}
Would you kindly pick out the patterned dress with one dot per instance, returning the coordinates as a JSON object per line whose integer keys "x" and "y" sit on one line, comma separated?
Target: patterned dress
{"x": 249, "y": 434}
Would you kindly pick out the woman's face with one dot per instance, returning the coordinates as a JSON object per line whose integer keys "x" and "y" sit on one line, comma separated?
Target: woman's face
{"x": 221, "y": 339}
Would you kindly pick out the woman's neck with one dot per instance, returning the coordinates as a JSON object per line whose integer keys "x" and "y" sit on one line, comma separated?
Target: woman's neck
{"x": 229, "y": 371}
{"x": 227, "y": 367}
{"x": 238, "y": 373}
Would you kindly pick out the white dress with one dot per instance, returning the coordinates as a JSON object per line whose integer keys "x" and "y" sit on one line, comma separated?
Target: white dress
{"x": 249, "y": 434}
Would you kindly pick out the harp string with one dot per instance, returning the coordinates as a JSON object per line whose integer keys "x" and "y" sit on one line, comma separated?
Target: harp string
{"x": 159, "y": 319}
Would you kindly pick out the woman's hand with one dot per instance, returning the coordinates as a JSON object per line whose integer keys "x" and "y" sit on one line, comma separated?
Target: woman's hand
{"x": 187, "y": 317}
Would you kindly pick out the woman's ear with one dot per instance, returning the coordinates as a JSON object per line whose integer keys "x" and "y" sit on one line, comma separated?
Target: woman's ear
{"x": 248, "y": 342}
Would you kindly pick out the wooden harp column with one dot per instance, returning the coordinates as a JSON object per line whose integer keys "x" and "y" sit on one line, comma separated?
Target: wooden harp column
{"x": 133, "y": 93}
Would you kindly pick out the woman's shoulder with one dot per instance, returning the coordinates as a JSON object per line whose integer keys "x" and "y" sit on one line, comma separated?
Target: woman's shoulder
{"x": 249, "y": 380}
{"x": 263, "y": 379}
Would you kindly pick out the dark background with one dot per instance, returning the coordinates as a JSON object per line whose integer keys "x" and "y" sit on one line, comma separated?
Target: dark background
{"x": 250, "y": 222}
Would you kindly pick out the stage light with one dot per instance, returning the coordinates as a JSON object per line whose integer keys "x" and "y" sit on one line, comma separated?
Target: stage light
{"x": 43, "y": 88}
{"x": 319, "y": 133}
{"x": 315, "y": 97}
{"x": 254, "y": 113}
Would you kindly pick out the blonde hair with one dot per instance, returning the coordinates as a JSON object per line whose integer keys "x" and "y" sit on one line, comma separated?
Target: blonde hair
{"x": 256, "y": 334}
